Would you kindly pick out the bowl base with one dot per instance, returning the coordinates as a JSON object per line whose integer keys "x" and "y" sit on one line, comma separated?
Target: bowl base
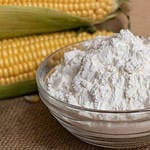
{"x": 114, "y": 144}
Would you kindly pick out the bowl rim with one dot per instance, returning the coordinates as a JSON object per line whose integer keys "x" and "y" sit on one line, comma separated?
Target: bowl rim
{"x": 41, "y": 87}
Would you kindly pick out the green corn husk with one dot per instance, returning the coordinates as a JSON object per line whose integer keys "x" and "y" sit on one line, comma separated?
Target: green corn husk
{"x": 18, "y": 89}
{"x": 19, "y": 21}
{"x": 24, "y": 20}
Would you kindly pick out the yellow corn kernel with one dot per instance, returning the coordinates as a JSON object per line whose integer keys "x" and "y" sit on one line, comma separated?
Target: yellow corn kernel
{"x": 32, "y": 98}
{"x": 20, "y": 59}
{"x": 76, "y": 7}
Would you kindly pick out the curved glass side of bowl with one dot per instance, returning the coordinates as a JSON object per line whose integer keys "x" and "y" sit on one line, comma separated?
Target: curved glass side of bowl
{"x": 98, "y": 127}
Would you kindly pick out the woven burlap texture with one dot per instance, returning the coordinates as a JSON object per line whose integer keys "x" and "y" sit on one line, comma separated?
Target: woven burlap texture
{"x": 26, "y": 126}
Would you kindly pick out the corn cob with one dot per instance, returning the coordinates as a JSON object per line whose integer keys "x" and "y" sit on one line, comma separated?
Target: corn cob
{"x": 20, "y": 57}
{"x": 51, "y": 16}
{"x": 92, "y": 9}
{"x": 20, "y": 21}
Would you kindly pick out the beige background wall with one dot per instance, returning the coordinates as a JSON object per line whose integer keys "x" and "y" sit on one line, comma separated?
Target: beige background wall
{"x": 139, "y": 15}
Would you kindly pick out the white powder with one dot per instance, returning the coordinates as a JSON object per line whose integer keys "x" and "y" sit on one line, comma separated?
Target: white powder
{"x": 113, "y": 73}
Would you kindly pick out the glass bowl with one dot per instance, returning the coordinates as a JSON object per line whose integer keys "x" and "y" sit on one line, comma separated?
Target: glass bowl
{"x": 111, "y": 129}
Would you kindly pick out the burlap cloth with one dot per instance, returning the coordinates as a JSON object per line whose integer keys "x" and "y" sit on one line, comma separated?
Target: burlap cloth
{"x": 30, "y": 126}
{"x": 25, "y": 126}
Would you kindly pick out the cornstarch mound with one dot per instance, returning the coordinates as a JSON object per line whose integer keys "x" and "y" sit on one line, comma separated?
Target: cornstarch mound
{"x": 113, "y": 73}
